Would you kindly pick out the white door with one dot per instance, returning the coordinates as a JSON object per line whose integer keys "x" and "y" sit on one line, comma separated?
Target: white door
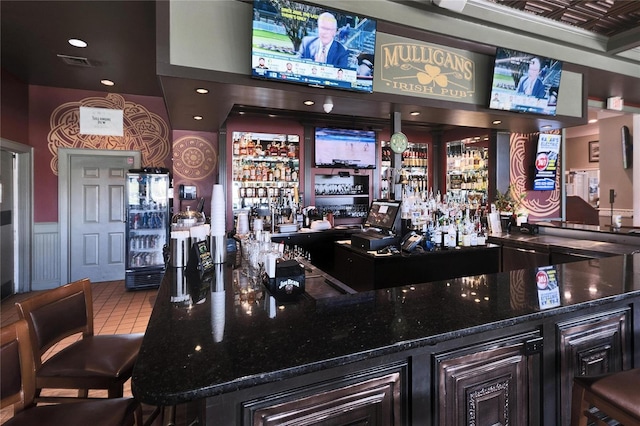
{"x": 7, "y": 214}
{"x": 96, "y": 217}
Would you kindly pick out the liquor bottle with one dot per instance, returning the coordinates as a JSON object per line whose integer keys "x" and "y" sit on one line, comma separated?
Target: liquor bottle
{"x": 275, "y": 149}
{"x": 243, "y": 145}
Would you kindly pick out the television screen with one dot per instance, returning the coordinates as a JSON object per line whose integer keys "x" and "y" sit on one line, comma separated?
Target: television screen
{"x": 299, "y": 43}
{"x": 546, "y": 164}
{"x": 383, "y": 214}
{"x": 345, "y": 148}
{"x": 524, "y": 82}
{"x": 627, "y": 148}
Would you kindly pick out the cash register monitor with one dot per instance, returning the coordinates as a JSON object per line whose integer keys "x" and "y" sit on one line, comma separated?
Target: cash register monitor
{"x": 383, "y": 221}
{"x": 383, "y": 216}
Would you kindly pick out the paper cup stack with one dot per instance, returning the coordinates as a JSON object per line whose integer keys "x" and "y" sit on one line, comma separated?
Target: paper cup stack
{"x": 218, "y": 223}
{"x": 218, "y": 305}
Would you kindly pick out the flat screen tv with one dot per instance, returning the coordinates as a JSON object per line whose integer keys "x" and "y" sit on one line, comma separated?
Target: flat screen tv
{"x": 546, "y": 162}
{"x": 383, "y": 215}
{"x": 300, "y": 43}
{"x": 523, "y": 82}
{"x": 345, "y": 148}
{"x": 627, "y": 148}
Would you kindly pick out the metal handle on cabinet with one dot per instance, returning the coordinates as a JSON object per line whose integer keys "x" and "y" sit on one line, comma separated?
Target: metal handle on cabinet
{"x": 526, "y": 250}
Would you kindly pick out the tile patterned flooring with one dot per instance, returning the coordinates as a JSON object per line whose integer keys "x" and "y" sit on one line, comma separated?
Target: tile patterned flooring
{"x": 115, "y": 310}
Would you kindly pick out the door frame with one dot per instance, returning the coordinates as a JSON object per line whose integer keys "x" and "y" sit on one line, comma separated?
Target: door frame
{"x": 23, "y": 216}
{"x": 64, "y": 185}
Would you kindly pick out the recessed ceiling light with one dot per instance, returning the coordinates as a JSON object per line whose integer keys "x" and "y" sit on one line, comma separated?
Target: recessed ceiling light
{"x": 197, "y": 117}
{"x": 415, "y": 113}
{"x": 308, "y": 102}
{"x": 593, "y": 120}
{"x": 202, "y": 90}
{"x": 272, "y": 115}
{"x": 496, "y": 122}
{"x": 547, "y": 126}
{"x": 76, "y": 42}
{"x": 107, "y": 82}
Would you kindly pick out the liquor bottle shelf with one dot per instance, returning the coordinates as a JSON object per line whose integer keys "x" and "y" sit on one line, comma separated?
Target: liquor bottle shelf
{"x": 342, "y": 195}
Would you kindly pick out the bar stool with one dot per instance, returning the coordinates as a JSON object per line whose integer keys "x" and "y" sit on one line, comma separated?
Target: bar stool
{"x": 93, "y": 362}
{"x": 17, "y": 388}
{"x": 616, "y": 394}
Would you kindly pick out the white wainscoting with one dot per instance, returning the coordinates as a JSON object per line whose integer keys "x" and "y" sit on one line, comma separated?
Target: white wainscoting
{"x": 45, "y": 272}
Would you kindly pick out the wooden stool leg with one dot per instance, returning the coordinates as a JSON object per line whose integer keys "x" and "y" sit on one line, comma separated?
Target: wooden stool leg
{"x": 171, "y": 416}
{"x": 154, "y": 414}
{"x": 116, "y": 391}
{"x": 578, "y": 406}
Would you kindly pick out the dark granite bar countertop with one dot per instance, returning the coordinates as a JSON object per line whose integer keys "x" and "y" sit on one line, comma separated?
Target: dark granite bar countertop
{"x": 217, "y": 335}
{"x": 571, "y": 242}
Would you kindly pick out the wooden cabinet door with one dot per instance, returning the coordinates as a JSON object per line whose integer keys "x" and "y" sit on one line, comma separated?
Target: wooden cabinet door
{"x": 495, "y": 383}
{"x": 368, "y": 401}
{"x": 591, "y": 345}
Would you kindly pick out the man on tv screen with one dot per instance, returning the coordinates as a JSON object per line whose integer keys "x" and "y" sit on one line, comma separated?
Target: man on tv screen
{"x": 531, "y": 84}
{"x": 323, "y": 48}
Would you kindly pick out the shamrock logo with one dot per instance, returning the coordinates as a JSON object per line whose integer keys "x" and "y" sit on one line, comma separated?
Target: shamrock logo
{"x": 431, "y": 74}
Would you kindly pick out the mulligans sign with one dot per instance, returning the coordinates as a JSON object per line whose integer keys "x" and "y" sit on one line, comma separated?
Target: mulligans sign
{"x": 414, "y": 68}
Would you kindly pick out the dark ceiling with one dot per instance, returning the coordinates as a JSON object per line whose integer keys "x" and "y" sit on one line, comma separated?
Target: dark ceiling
{"x": 122, "y": 47}
{"x": 606, "y": 17}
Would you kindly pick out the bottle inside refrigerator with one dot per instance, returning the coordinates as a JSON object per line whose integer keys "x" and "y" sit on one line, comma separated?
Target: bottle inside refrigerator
{"x": 147, "y": 228}
{"x": 467, "y": 171}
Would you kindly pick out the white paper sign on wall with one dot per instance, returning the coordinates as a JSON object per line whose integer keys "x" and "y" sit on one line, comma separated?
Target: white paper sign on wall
{"x": 101, "y": 121}
{"x": 615, "y": 102}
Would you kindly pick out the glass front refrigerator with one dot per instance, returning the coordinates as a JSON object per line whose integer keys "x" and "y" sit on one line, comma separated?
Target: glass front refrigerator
{"x": 147, "y": 228}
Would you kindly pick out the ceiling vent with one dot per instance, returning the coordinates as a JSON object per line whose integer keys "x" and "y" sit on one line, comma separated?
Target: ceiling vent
{"x": 75, "y": 61}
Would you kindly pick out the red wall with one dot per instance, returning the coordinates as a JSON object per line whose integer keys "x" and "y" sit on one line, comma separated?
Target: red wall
{"x": 539, "y": 204}
{"x": 28, "y": 118}
{"x": 196, "y": 162}
{"x": 48, "y": 132}
{"x": 14, "y": 106}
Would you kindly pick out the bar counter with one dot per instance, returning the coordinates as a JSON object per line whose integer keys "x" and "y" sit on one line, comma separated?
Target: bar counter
{"x": 217, "y": 341}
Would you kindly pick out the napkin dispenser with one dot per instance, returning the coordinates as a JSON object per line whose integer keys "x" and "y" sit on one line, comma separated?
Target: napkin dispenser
{"x": 528, "y": 228}
{"x": 288, "y": 282}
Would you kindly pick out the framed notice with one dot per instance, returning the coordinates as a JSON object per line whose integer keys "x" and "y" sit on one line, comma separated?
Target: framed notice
{"x": 547, "y": 286}
{"x": 546, "y": 162}
{"x": 594, "y": 151}
{"x": 101, "y": 121}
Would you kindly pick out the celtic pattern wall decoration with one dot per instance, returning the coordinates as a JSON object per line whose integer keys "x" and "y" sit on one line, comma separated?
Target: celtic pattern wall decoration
{"x": 519, "y": 173}
{"x": 144, "y": 130}
{"x": 194, "y": 157}
{"x": 518, "y": 294}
